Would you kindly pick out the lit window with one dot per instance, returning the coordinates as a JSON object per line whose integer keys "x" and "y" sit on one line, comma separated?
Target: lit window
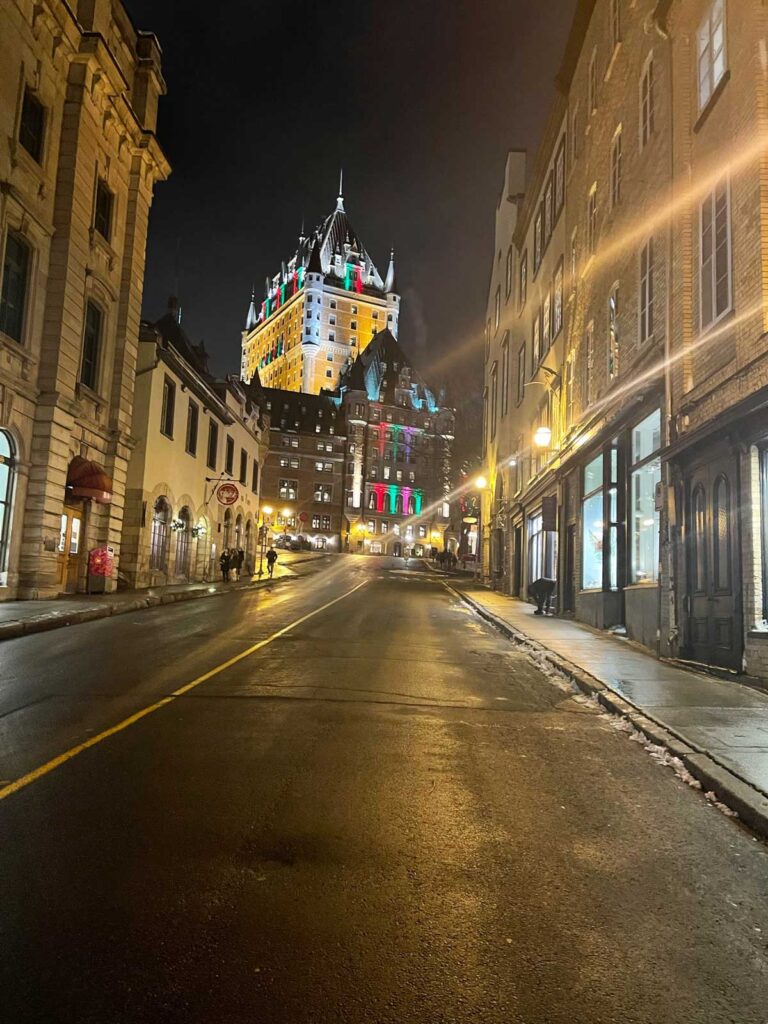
{"x": 616, "y": 169}
{"x": 592, "y": 220}
{"x": 712, "y": 56}
{"x": 613, "y": 333}
{"x": 715, "y": 255}
{"x": 646, "y": 290}
{"x": 647, "y": 103}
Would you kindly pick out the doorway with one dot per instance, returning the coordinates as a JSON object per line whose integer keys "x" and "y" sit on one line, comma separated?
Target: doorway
{"x": 68, "y": 551}
{"x": 569, "y": 588}
{"x": 714, "y": 579}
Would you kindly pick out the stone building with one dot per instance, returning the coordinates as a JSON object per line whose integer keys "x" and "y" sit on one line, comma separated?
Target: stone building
{"x": 79, "y": 89}
{"x": 398, "y": 465}
{"x": 655, "y": 478}
{"x": 195, "y": 473}
{"x": 303, "y": 482}
{"x": 322, "y": 308}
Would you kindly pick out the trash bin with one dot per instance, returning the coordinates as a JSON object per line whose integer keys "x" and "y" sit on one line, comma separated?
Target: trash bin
{"x": 101, "y": 564}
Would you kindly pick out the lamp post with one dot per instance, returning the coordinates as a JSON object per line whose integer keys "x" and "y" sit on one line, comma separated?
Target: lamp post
{"x": 266, "y": 519}
{"x": 480, "y": 484}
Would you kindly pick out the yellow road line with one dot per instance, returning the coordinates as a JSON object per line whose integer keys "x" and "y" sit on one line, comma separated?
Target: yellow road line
{"x": 57, "y": 762}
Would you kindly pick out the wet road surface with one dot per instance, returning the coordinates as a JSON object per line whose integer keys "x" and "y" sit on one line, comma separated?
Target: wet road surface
{"x": 385, "y": 814}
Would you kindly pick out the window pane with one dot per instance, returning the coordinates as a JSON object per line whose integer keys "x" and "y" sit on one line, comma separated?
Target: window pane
{"x": 593, "y": 474}
{"x": 31, "y": 126}
{"x": 14, "y": 287}
{"x": 91, "y": 346}
{"x": 646, "y": 437}
{"x": 592, "y": 546}
{"x": 645, "y": 522}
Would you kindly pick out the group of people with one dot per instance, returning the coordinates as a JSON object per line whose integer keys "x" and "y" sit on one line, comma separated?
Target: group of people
{"x": 445, "y": 559}
{"x": 231, "y": 564}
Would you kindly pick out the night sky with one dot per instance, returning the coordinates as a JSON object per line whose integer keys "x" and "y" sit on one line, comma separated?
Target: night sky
{"x": 418, "y": 102}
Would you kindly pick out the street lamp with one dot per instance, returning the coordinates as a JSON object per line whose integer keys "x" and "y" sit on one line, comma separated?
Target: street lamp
{"x": 542, "y": 437}
{"x": 480, "y": 484}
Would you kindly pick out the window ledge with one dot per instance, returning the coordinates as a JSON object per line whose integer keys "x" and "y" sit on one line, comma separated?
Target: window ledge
{"x": 707, "y": 108}
{"x": 642, "y": 585}
{"x": 756, "y": 633}
{"x": 719, "y": 321}
{"x": 83, "y": 391}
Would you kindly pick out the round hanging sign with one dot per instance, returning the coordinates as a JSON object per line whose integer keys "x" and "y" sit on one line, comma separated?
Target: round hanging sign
{"x": 227, "y": 494}
{"x": 303, "y": 517}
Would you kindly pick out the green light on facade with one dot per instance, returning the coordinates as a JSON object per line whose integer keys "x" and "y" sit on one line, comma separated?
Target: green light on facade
{"x": 392, "y": 498}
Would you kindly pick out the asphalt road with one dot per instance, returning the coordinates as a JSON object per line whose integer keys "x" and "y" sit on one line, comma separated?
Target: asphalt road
{"x": 384, "y": 814}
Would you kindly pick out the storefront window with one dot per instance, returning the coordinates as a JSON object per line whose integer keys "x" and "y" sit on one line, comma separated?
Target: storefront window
{"x": 542, "y": 551}
{"x": 592, "y": 526}
{"x": 646, "y": 475}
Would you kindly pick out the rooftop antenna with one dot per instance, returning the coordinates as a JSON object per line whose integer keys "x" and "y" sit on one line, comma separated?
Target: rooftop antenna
{"x": 176, "y": 278}
{"x": 340, "y": 197}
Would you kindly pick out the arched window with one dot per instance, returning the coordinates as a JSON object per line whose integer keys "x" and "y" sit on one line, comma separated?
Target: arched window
{"x": 721, "y": 530}
{"x": 183, "y": 537}
{"x": 228, "y": 528}
{"x": 158, "y": 542}
{"x": 239, "y": 532}
{"x": 399, "y": 505}
{"x": 411, "y": 505}
{"x": 7, "y": 474}
{"x": 372, "y": 500}
{"x": 249, "y": 539}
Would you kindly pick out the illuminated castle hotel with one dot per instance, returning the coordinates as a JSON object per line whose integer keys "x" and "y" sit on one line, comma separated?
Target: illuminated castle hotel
{"x": 320, "y": 311}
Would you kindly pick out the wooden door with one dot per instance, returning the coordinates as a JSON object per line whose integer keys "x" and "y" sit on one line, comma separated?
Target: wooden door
{"x": 714, "y": 578}
{"x": 70, "y": 540}
{"x": 569, "y": 589}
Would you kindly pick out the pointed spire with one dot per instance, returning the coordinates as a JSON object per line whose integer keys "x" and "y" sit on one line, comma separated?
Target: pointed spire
{"x": 267, "y": 287}
{"x": 253, "y": 317}
{"x": 302, "y": 236}
{"x": 340, "y": 197}
{"x": 315, "y": 266}
{"x": 389, "y": 284}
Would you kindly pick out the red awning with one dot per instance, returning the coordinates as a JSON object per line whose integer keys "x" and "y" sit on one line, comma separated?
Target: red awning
{"x": 88, "y": 480}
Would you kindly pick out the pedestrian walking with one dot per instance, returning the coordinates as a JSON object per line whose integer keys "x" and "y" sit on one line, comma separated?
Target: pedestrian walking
{"x": 271, "y": 559}
{"x": 224, "y": 565}
{"x": 240, "y": 560}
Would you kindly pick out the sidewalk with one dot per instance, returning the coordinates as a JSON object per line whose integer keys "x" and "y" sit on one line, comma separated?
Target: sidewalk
{"x": 718, "y": 728}
{"x": 20, "y": 618}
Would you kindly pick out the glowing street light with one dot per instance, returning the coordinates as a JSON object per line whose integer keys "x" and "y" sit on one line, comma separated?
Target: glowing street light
{"x": 480, "y": 483}
{"x": 542, "y": 438}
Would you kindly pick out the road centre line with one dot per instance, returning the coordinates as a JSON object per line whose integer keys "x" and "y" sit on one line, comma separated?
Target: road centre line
{"x": 57, "y": 762}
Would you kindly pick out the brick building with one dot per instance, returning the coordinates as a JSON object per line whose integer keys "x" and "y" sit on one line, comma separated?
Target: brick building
{"x": 652, "y": 456}
{"x": 79, "y": 90}
{"x": 303, "y": 481}
{"x": 398, "y": 465}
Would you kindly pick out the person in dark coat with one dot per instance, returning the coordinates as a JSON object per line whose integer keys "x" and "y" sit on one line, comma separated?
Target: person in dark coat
{"x": 271, "y": 559}
{"x": 240, "y": 560}
{"x": 224, "y": 563}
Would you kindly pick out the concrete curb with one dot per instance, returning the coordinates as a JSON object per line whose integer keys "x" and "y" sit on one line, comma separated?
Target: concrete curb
{"x": 747, "y": 802}
{"x": 57, "y": 620}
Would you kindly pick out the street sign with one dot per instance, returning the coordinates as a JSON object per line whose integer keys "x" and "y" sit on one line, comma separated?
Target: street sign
{"x": 549, "y": 513}
{"x": 227, "y": 493}
{"x": 303, "y": 517}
